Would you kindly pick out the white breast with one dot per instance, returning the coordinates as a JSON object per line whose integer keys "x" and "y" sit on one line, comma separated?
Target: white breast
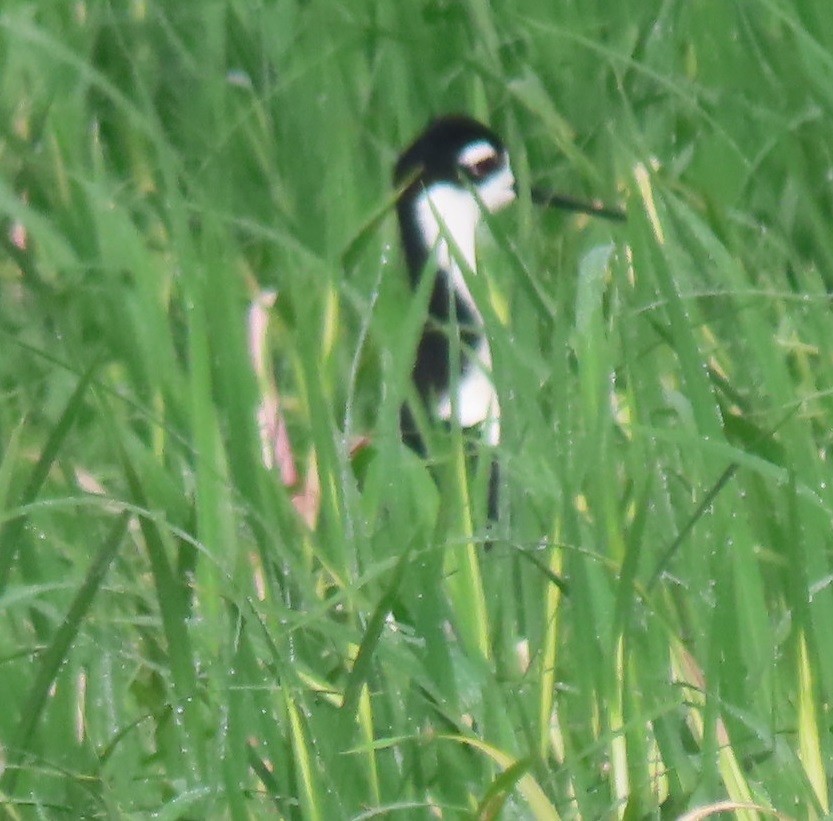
{"x": 476, "y": 397}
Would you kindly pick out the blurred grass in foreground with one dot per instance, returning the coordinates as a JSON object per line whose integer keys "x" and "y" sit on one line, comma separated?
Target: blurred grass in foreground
{"x": 647, "y": 634}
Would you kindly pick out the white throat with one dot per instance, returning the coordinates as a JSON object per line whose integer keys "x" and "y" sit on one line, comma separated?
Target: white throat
{"x": 446, "y": 211}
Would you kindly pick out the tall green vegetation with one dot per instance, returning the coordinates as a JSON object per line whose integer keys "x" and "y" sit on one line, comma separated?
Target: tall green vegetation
{"x": 188, "y": 632}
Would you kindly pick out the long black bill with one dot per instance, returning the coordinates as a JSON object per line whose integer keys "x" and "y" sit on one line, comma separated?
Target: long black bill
{"x": 540, "y": 196}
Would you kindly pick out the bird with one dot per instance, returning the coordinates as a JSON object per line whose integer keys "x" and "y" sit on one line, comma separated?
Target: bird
{"x": 456, "y": 168}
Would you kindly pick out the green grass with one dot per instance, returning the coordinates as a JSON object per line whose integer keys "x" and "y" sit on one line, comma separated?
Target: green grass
{"x": 646, "y": 636}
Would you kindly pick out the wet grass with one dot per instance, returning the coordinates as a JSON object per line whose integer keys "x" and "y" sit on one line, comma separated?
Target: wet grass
{"x": 187, "y": 632}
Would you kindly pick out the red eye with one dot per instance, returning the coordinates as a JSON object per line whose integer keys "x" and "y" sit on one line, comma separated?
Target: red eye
{"x": 482, "y": 168}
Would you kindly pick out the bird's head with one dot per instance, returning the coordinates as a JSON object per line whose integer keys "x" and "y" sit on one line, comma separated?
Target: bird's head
{"x": 459, "y": 152}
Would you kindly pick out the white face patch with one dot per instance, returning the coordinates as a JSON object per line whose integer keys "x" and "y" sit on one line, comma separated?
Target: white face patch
{"x": 476, "y": 153}
{"x": 497, "y": 190}
{"x": 490, "y": 173}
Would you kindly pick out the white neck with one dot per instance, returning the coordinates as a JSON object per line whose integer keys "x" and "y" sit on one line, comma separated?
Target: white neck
{"x": 445, "y": 211}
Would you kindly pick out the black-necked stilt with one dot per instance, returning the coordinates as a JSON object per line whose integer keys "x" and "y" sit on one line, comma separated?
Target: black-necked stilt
{"x": 456, "y": 164}
{"x": 453, "y": 170}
